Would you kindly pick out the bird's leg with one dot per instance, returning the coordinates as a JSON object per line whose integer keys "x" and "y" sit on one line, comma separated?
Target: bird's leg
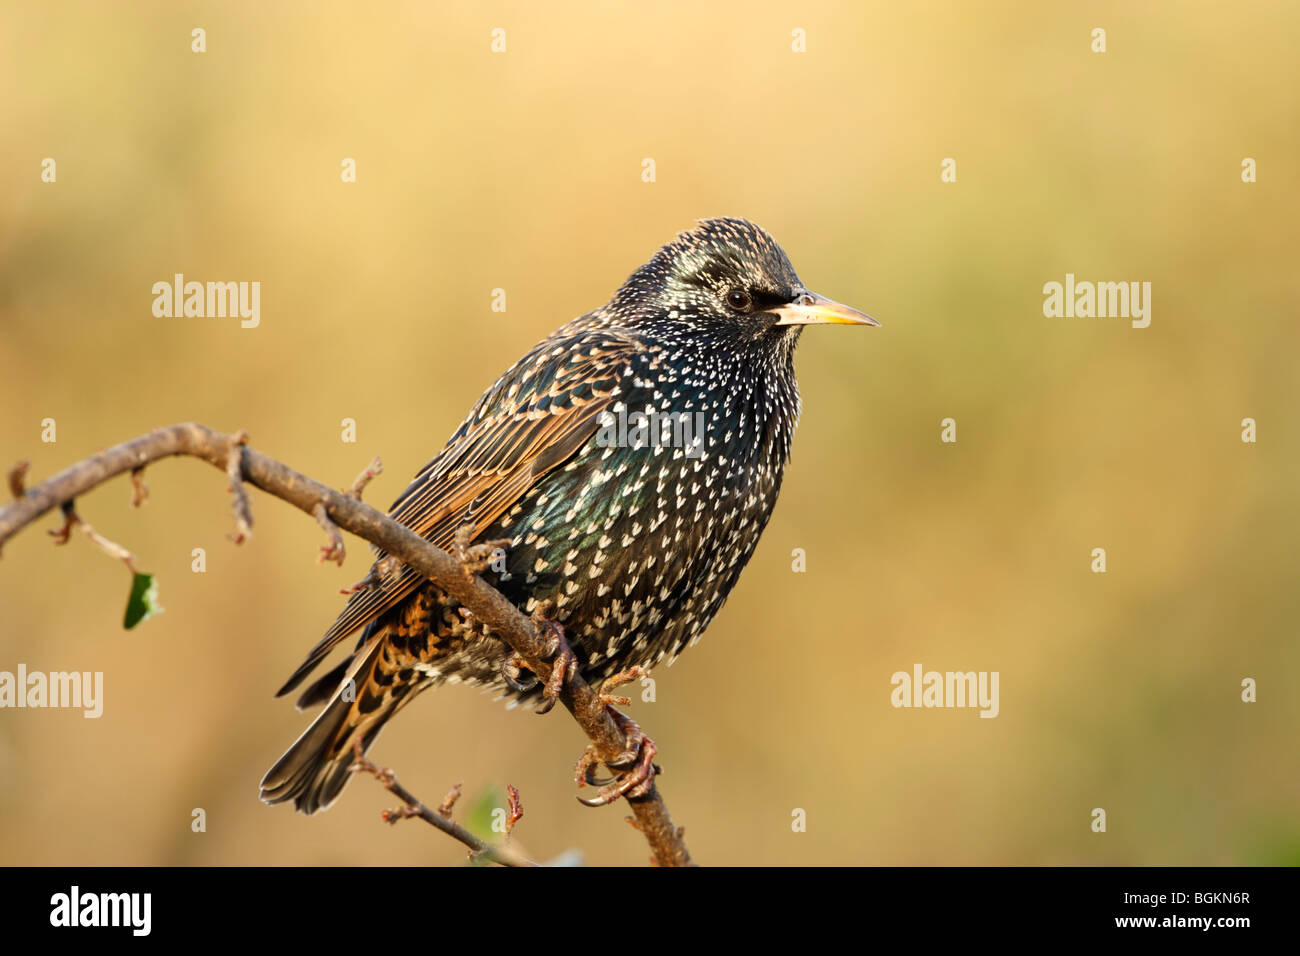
{"x": 563, "y": 662}
{"x": 585, "y": 770}
{"x": 512, "y": 668}
{"x": 587, "y": 762}
{"x": 622, "y": 678}
{"x": 477, "y": 558}
{"x": 636, "y": 762}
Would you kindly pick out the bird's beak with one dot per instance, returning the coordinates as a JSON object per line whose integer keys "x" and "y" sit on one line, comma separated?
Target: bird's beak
{"x": 813, "y": 309}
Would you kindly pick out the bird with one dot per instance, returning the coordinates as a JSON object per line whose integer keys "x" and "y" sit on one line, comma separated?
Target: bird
{"x": 624, "y": 534}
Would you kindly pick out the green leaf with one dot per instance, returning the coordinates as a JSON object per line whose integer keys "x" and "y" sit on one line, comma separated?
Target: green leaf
{"x": 143, "y": 602}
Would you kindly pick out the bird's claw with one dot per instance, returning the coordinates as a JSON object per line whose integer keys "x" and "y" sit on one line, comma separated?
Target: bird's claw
{"x": 564, "y": 664}
{"x": 628, "y": 676}
{"x": 512, "y": 668}
{"x": 477, "y": 558}
{"x": 636, "y": 763}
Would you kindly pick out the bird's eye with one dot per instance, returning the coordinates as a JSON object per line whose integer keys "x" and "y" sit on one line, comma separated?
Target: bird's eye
{"x": 739, "y": 300}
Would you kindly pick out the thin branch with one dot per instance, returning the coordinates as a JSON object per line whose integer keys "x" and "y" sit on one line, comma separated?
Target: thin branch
{"x": 488, "y": 605}
{"x": 376, "y": 467}
{"x": 413, "y": 807}
{"x": 334, "y": 551}
{"x": 375, "y": 577}
{"x": 17, "y": 475}
{"x": 239, "y": 496}
{"x": 71, "y": 520}
{"x": 139, "y": 490}
{"x": 516, "y": 809}
{"x": 449, "y": 801}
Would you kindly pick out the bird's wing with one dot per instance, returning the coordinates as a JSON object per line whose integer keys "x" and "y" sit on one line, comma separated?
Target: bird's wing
{"x": 533, "y": 419}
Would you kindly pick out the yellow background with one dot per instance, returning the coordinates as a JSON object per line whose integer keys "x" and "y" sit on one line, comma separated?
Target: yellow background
{"x": 522, "y": 171}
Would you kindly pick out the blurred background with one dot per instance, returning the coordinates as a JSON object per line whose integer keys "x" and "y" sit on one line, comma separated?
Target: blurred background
{"x": 523, "y": 170}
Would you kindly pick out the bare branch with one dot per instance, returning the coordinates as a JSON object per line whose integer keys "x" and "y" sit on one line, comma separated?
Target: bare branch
{"x": 139, "y": 490}
{"x": 488, "y": 605}
{"x": 334, "y": 551}
{"x": 239, "y": 499}
{"x": 376, "y": 467}
{"x": 412, "y": 807}
{"x": 375, "y": 577}
{"x": 449, "y": 801}
{"x": 16, "y": 476}
{"x": 516, "y": 808}
{"x": 72, "y": 520}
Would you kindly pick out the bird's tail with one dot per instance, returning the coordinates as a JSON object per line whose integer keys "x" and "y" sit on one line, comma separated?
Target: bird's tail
{"x": 313, "y": 772}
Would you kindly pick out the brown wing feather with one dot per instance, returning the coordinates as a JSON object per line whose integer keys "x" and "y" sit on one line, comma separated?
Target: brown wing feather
{"x": 533, "y": 419}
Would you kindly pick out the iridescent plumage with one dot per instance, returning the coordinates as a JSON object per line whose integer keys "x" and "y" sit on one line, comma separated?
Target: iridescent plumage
{"x": 635, "y": 548}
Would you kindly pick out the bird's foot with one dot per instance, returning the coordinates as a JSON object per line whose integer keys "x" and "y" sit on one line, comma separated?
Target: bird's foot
{"x": 636, "y": 766}
{"x": 477, "y": 558}
{"x": 512, "y": 672}
{"x": 563, "y": 662}
{"x": 628, "y": 676}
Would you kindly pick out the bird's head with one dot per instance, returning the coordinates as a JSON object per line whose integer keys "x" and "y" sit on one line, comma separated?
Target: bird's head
{"x": 731, "y": 276}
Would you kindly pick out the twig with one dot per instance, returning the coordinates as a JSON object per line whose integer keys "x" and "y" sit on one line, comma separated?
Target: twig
{"x": 375, "y": 577}
{"x": 412, "y": 807}
{"x": 139, "y": 490}
{"x": 111, "y": 548}
{"x": 239, "y": 497}
{"x": 449, "y": 801}
{"x": 516, "y": 808}
{"x": 16, "y": 475}
{"x": 376, "y": 467}
{"x": 334, "y": 551}
{"x": 489, "y": 606}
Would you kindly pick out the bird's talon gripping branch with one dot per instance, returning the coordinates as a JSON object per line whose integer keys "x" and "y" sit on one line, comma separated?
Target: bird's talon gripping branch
{"x": 636, "y": 762}
{"x": 556, "y": 650}
{"x": 564, "y": 664}
{"x": 476, "y": 558}
{"x": 512, "y": 669}
{"x": 628, "y": 676}
{"x": 587, "y": 763}
{"x": 585, "y": 768}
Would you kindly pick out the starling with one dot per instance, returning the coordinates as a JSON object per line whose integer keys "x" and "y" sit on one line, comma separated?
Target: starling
{"x": 627, "y": 464}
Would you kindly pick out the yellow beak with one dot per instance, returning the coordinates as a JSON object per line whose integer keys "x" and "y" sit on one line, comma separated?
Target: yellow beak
{"x": 813, "y": 309}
